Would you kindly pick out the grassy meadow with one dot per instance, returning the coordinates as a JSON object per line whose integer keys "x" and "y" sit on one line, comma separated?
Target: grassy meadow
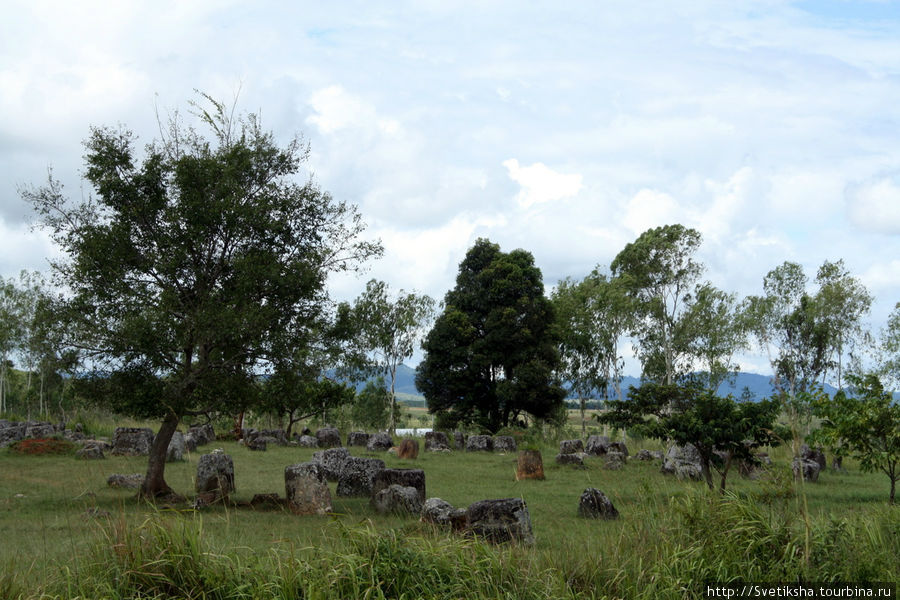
{"x": 65, "y": 534}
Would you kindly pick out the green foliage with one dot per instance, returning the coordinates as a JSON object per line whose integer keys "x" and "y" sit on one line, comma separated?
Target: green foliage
{"x": 370, "y": 409}
{"x": 492, "y": 353}
{"x": 658, "y": 270}
{"x": 863, "y": 423}
{"x": 388, "y": 328}
{"x": 689, "y": 413}
{"x": 196, "y": 265}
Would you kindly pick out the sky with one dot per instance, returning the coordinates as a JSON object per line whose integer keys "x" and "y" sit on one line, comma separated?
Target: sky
{"x": 567, "y": 129}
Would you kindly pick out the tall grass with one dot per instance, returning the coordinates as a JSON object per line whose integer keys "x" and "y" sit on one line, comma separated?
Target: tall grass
{"x": 702, "y": 538}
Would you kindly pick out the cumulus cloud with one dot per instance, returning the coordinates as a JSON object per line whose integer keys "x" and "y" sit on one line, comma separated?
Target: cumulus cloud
{"x": 875, "y": 206}
{"x": 651, "y": 208}
{"x": 540, "y": 184}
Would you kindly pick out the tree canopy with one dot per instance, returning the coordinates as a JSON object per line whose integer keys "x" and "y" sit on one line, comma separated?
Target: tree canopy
{"x": 493, "y": 351}
{"x": 193, "y": 266}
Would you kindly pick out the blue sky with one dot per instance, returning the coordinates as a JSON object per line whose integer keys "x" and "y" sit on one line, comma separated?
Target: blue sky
{"x": 771, "y": 126}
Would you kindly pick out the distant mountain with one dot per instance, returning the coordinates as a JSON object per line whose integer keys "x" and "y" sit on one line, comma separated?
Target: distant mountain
{"x": 760, "y": 386}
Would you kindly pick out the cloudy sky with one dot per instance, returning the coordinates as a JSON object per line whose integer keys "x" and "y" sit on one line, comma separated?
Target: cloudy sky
{"x": 771, "y": 126}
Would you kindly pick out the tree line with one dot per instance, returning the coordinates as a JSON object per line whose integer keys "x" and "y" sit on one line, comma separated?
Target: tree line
{"x": 194, "y": 280}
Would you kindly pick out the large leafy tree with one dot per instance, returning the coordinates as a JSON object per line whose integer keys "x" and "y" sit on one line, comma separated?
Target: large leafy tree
{"x": 493, "y": 351}
{"x": 389, "y": 325}
{"x": 193, "y": 267}
{"x": 721, "y": 428}
{"x": 659, "y": 271}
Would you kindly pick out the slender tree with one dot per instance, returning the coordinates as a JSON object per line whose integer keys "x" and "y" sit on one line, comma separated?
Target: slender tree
{"x": 192, "y": 268}
{"x": 659, "y": 271}
{"x": 389, "y": 328}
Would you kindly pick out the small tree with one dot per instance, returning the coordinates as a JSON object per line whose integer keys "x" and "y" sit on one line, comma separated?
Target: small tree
{"x": 722, "y": 429}
{"x": 370, "y": 409}
{"x": 389, "y": 329}
{"x": 864, "y": 423}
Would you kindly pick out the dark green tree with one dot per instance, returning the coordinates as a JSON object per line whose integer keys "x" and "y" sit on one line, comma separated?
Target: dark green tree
{"x": 194, "y": 267}
{"x": 721, "y": 428}
{"x": 493, "y": 351}
{"x": 864, "y": 423}
{"x": 370, "y": 408}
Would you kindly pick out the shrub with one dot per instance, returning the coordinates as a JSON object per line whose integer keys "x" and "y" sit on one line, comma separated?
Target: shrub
{"x": 43, "y": 447}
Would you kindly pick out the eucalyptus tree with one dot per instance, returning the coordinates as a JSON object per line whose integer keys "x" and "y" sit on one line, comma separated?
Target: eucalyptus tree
{"x": 843, "y": 302}
{"x": 659, "y": 272}
{"x": 11, "y": 331}
{"x": 194, "y": 265}
{"x": 593, "y": 315}
{"x": 389, "y": 327}
{"x": 715, "y": 329}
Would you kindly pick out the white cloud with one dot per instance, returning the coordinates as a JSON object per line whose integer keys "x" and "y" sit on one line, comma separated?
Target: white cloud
{"x": 875, "y": 206}
{"x": 651, "y": 208}
{"x": 540, "y": 183}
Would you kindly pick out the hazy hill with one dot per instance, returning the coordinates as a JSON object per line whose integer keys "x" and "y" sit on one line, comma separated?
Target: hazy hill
{"x": 760, "y": 386}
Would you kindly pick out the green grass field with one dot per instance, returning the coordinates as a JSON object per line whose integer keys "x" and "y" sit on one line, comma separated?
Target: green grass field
{"x": 670, "y": 534}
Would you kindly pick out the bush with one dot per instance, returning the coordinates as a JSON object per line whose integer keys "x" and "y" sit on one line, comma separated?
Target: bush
{"x": 43, "y": 447}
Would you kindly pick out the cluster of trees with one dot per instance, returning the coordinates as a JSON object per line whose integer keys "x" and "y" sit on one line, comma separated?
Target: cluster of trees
{"x": 34, "y": 367}
{"x": 195, "y": 281}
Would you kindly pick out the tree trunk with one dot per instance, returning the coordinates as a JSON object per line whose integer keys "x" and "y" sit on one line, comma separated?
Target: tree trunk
{"x": 155, "y": 484}
{"x": 393, "y": 425}
{"x": 707, "y": 474}
{"x": 893, "y": 489}
{"x": 583, "y": 425}
{"x": 725, "y": 469}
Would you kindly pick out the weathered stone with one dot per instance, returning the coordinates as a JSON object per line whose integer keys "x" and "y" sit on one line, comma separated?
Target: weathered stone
{"x": 837, "y": 463}
{"x": 595, "y": 505}
{"x": 459, "y": 440}
{"x": 332, "y": 461}
{"x": 132, "y": 441}
{"x": 215, "y": 473}
{"x": 11, "y": 432}
{"x": 436, "y": 441}
{"x": 408, "y": 449}
{"x": 806, "y": 468}
{"x": 614, "y": 461}
{"x": 175, "y": 450}
{"x": 73, "y": 436}
{"x": 357, "y": 476}
{"x": 307, "y": 441}
{"x": 379, "y": 442}
{"x": 306, "y": 489}
{"x": 39, "y": 429}
{"x": 571, "y": 446}
{"x": 91, "y": 452}
{"x": 755, "y": 466}
{"x": 276, "y": 437}
{"x": 618, "y": 447}
{"x": 443, "y": 514}
{"x": 397, "y": 499}
{"x": 576, "y": 459}
{"x": 328, "y": 437}
{"x": 597, "y": 445}
{"x": 358, "y": 438}
{"x": 501, "y": 520}
{"x": 529, "y": 465}
{"x": 259, "y": 444}
{"x": 815, "y": 454}
{"x": 644, "y": 455}
{"x": 683, "y": 462}
{"x": 404, "y": 477}
{"x": 190, "y": 442}
{"x": 202, "y": 434}
{"x": 131, "y": 482}
{"x": 479, "y": 443}
{"x": 504, "y": 443}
